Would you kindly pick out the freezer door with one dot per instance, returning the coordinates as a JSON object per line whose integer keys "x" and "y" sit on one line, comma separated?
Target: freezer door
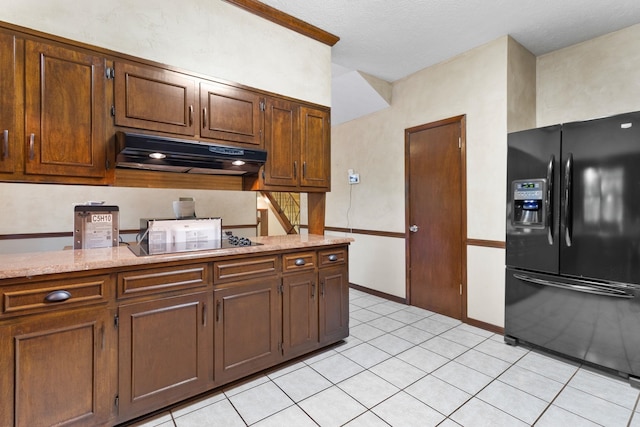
{"x": 600, "y": 234}
{"x": 591, "y": 321}
{"x": 534, "y": 155}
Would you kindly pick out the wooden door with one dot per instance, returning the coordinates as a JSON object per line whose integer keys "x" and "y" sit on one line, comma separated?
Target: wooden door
{"x": 334, "y": 303}
{"x": 155, "y": 99}
{"x": 65, "y": 111}
{"x": 281, "y": 141}
{"x": 164, "y": 348}
{"x": 8, "y": 109}
{"x": 315, "y": 155}
{"x": 247, "y": 328}
{"x": 231, "y": 115}
{"x": 60, "y": 368}
{"x": 435, "y": 216}
{"x": 300, "y": 313}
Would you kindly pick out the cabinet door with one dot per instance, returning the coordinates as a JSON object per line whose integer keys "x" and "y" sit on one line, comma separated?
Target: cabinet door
{"x": 231, "y": 115}
{"x": 154, "y": 99}
{"x": 247, "y": 328}
{"x": 56, "y": 370}
{"x": 65, "y": 111}
{"x": 8, "y": 109}
{"x": 163, "y": 351}
{"x": 281, "y": 126}
{"x": 300, "y": 314}
{"x": 315, "y": 151}
{"x": 334, "y": 304}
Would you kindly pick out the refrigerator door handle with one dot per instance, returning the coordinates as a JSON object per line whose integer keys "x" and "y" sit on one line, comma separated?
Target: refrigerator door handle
{"x": 616, "y": 293}
{"x": 550, "y": 199}
{"x": 567, "y": 200}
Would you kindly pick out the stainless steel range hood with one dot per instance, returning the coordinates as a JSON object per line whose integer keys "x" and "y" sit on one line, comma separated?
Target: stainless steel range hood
{"x": 152, "y": 152}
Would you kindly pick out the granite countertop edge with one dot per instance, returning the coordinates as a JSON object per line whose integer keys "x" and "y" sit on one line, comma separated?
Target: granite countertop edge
{"x": 28, "y": 265}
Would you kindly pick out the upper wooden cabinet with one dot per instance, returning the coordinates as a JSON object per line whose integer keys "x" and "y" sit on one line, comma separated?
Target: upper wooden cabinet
{"x": 231, "y": 114}
{"x": 8, "y": 89}
{"x": 64, "y": 111}
{"x": 315, "y": 155}
{"x": 155, "y": 99}
{"x": 297, "y": 138}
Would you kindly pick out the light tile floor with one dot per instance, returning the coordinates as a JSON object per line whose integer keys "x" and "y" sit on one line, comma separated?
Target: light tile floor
{"x": 404, "y": 366}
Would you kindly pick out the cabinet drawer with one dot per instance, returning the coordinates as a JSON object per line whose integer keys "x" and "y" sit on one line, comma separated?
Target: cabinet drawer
{"x": 54, "y": 294}
{"x": 299, "y": 261}
{"x": 162, "y": 279}
{"x": 244, "y": 268}
{"x": 335, "y": 256}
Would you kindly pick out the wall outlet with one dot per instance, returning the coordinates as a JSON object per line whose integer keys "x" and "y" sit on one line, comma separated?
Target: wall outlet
{"x": 354, "y": 178}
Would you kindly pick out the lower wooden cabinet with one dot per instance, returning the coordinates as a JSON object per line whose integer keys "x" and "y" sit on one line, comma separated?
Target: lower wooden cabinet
{"x": 95, "y": 350}
{"x": 247, "y": 328}
{"x": 164, "y": 347}
{"x": 299, "y": 314}
{"x": 56, "y": 369}
{"x": 334, "y": 300}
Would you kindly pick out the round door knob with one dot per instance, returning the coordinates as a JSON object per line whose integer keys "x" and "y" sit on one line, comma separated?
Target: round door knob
{"x": 414, "y": 228}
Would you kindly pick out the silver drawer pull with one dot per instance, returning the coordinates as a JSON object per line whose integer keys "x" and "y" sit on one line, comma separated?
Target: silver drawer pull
{"x": 5, "y": 143}
{"x": 300, "y": 262}
{"x": 57, "y": 296}
{"x": 333, "y": 257}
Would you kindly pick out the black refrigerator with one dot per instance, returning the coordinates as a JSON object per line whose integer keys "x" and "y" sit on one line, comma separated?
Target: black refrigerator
{"x": 573, "y": 241}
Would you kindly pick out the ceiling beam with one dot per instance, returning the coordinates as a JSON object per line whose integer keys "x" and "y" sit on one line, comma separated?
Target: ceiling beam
{"x": 285, "y": 20}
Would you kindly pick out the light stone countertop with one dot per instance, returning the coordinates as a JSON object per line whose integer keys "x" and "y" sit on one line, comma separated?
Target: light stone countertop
{"x": 74, "y": 260}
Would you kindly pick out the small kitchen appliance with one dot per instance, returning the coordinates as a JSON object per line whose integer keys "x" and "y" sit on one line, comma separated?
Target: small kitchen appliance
{"x": 95, "y": 226}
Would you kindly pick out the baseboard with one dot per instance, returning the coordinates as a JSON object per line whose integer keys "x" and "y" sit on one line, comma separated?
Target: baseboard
{"x": 473, "y": 322}
{"x": 486, "y": 326}
{"x": 378, "y": 293}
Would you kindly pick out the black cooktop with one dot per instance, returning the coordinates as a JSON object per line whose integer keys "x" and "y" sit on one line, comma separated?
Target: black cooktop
{"x": 144, "y": 248}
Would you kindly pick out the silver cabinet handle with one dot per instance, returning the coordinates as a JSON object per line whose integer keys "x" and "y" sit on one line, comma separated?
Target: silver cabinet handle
{"x": 414, "y": 228}
{"x": 332, "y": 257}
{"x": 304, "y": 170}
{"x": 32, "y": 141}
{"x": 204, "y": 118}
{"x": 295, "y": 169}
{"x": 57, "y": 296}
{"x": 5, "y": 143}
{"x": 190, "y": 115}
{"x": 300, "y": 262}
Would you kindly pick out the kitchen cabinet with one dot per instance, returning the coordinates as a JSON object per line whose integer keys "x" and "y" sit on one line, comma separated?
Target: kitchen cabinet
{"x": 247, "y": 316}
{"x": 314, "y": 148}
{"x": 104, "y": 347}
{"x": 247, "y": 328}
{"x": 164, "y": 346}
{"x": 155, "y": 99}
{"x": 231, "y": 115}
{"x": 333, "y": 279}
{"x": 65, "y": 111}
{"x": 56, "y": 357}
{"x": 299, "y": 304}
{"x": 297, "y": 138}
{"x": 8, "y": 88}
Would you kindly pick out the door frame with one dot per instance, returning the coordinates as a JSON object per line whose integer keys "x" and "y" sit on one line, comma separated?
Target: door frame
{"x": 462, "y": 120}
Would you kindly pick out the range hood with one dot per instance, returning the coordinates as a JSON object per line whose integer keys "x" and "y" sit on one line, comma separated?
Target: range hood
{"x": 158, "y": 153}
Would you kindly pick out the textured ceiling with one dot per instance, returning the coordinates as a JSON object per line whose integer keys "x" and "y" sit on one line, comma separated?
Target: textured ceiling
{"x": 392, "y": 39}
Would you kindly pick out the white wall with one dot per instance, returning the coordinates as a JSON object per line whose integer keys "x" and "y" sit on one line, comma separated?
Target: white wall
{"x": 597, "y": 78}
{"x": 474, "y": 84}
{"x": 210, "y": 37}
{"x": 206, "y": 36}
